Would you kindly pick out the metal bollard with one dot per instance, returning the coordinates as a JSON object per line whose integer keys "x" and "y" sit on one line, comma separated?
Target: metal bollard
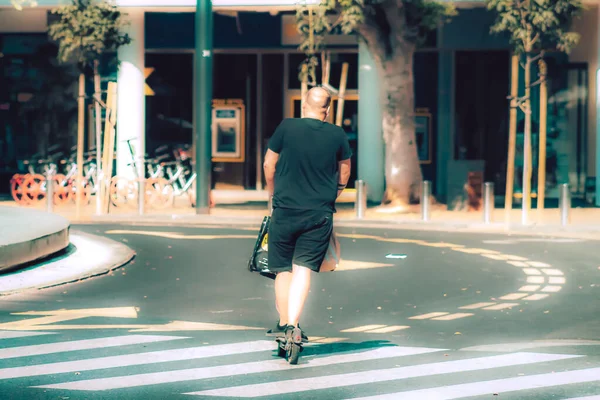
{"x": 564, "y": 203}
{"x": 50, "y": 191}
{"x": 488, "y": 202}
{"x": 425, "y": 200}
{"x": 360, "y": 204}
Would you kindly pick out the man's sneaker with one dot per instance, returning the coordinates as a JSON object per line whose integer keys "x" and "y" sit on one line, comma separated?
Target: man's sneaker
{"x": 279, "y": 330}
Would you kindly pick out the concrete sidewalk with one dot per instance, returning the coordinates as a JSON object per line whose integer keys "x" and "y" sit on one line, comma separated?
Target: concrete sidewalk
{"x": 88, "y": 256}
{"x": 583, "y": 222}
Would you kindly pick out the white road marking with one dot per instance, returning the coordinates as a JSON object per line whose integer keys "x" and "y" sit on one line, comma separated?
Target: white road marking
{"x": 128, "y": 360}
{"x": 476, "y": 306}
{"x": 531, "y": 271}
{"x": 514, "y": 296}
{"x": 496, "y": 256}
{"x": 430, "y": 315}
{"x": 552, "y": 289}
{"x": 552, "y": 271}
{"x": 501, "y": 306}
{"x": 469, "y": 250}
{"x": 535, "y": 279}
{"x": 529, "y": 288}
{"x": 382, "y": 375}
{"x": 19, "y": 334}
{"x": 557, "y": 280}
{"x": 49, "y": 348}
{"x": 388, "y": 329}
{"x": 518, "y": 346}
{"x": 585, "y": 398}
{"x": 496, "y": 386}
{"x": 538, "y": 296}
{"x": 538, "y": 264}
{"x": 452, "y": 317}
{"x": 362, "y": 328}
{"x": 518, "y": 263}
{"x": 193, "y": 374}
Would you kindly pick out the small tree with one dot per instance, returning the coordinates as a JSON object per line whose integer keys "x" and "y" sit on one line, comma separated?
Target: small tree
{"x": 392, "y": 30}
{"x": 86, "y": 31}
{"x": 535, "y": 26}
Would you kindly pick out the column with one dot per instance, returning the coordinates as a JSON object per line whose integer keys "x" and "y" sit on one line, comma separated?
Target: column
{"x": 596, "y": 132}
{"x": 445, "y": 122}
{"x": 371, "y": 147}
{"x": 131, "y": 101}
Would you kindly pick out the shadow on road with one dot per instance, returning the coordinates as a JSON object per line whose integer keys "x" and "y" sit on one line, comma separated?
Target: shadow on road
{"x": 333, "y": 348}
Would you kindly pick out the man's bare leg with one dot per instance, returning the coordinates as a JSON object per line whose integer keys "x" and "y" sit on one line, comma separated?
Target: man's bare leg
{"x": 298, "y": 291}
{"x": 282, "y": 292}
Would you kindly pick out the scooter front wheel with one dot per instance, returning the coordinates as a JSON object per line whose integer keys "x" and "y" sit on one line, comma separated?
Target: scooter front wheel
{"x": 293, "y": 353}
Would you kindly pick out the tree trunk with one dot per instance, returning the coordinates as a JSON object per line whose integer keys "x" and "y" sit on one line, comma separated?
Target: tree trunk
{"x": 402, "y": 168}
{"x": 80, "y": 138}
{"x": 527, "y": 166}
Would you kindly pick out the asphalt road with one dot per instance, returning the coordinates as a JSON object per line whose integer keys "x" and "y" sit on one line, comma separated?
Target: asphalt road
{"x": 462, "y": 316}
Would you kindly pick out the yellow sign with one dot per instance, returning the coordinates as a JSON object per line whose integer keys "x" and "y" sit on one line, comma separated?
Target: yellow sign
{"x": 147, "y": 89}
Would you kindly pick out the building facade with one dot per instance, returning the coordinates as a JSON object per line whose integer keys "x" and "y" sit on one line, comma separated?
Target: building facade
{"x": 462, "y": 80}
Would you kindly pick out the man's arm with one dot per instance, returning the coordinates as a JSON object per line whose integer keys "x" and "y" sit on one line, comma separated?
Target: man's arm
{"x": 273, "y": 150}
{"x": 271, "y": 159}
{"x": 344, "y": 168}
{"x": 344, "y": 165}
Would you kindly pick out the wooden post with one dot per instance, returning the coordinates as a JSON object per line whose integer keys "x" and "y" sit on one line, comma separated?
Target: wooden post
{"x": 342, "y": 93}
{"x": 98, "y": 141}
{"x": 109, "y": 142}
{"x": 80, "y": 139}
{"x": 512, "y": 139}
{"x": 325, "y": 67}
{"x": 90, "y": 127}
{"x": 304, "y": 88}
{"x": 541, "y": 192}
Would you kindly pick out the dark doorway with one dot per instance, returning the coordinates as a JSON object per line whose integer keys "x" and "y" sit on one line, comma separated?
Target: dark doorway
{"x": 482, "y": 86}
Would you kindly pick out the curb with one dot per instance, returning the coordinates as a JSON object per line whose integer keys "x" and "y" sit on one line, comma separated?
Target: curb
{"x": 90, "y": 256}
{"x": 30, "y": 235}
{"x": 591, "y": 232}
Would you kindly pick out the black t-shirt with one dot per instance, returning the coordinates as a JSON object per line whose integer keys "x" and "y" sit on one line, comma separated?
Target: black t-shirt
{"x": 306, "y": 176}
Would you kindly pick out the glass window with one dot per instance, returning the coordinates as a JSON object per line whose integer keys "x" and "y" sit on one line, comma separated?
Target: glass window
{"x": 169, "y": 112}
{"x": 482, "y": 85}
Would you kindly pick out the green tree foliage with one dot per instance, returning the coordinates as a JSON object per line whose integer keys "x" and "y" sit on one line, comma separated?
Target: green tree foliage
{"x": 88, "y": 29}
{"x": 392, "y": 30}
{"x": 537, "y": 25}
{"x": 415, "y": 18}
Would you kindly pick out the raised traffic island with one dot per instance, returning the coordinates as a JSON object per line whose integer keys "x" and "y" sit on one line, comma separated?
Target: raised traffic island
{"x": 27, "y": 235}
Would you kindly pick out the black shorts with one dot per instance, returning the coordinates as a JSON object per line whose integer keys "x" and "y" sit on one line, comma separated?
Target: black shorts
{"x": 299, "y": 237}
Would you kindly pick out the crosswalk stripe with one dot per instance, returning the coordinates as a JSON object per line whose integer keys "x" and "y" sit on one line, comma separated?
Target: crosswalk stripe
{"x": 496, "y": 386}
{"x": 136, "y": 359}
{"x": 235, "y": 369}
{"x": 382, "y": 375}
{"x": 21, "y": 334}
{"x": 49, "y": 348}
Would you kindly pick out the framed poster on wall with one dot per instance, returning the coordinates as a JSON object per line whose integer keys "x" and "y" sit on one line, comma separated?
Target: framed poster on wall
{"x": 228, "y": 131}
